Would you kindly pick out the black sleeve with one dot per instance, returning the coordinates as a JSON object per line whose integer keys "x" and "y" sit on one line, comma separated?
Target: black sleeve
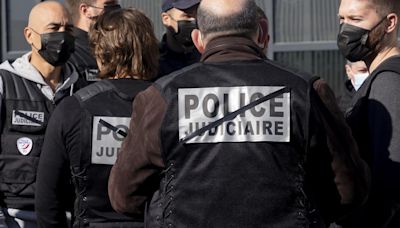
{"x": 383, "y": 120}
{"x": 53, "y": 188}
{"x": 337, "y": 174}
{"x": 320, "y": 186}
{"x": 135, "y": 175}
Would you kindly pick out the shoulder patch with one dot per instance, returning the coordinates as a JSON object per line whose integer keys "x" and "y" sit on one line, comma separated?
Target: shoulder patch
{"x": 24, "y": 145}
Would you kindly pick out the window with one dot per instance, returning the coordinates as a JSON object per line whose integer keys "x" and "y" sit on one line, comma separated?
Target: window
{"x": 152, "y": 8}
{"x": 14, "y": 18}
{"x": 303, "y": 36}
{"x": 303, "y": 32}
{"x": 328, "y": 64}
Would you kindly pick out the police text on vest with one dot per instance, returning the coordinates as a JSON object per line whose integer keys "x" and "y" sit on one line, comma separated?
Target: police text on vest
{"x": 106, "y": 143}
{"x": 18, "y": 119}
{"x": 266, "y": 122}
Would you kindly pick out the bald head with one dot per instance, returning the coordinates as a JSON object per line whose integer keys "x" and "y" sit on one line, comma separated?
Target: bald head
{"x": 227, "y": 17}
{"x": 223, "y": 7}
{"x": 47, "y": 12}
{"x": 45, "y": 17}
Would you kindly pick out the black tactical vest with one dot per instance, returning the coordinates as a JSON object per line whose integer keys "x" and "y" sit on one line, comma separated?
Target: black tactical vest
{"x": 105, "y": 121}
{"x": 248, "y": 169}
{"x": 24, "y": 120}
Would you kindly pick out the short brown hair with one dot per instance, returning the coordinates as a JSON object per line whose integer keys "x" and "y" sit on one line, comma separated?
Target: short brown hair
{"x": 261, "y": 14}
{"x": 243, "y": 23}
{"x": 123, "y": 41}
{"x": 384, "y": 7}
{"x": 73, "y": 7}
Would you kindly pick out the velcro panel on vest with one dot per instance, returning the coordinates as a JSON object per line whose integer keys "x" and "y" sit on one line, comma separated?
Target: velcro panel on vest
{"x": 17, "y": 173}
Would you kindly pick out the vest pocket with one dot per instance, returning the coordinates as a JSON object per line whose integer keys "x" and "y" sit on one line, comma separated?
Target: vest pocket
{"x": 17, "y": 173}
{"x": 26, "y": 145}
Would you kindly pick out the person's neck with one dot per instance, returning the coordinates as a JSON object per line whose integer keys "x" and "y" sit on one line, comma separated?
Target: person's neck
{"x": 83, "y": 25}
{"x": 386, "y": 53}
{"x": 50, "y": 74}
{"x": 228, "y": 48}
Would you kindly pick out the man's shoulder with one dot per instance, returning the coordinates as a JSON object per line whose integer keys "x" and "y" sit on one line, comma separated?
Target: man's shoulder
{"x": 386, "y": 75}
{"x": 270, "y": 66}
{"x": 6, "y": 68}
{"x": 165, "y": 80}
{"x": 391, "y": 64}
{"x": 6, "y": 73}
{"x": 10, "y": 77}
{"x": 69, "y": 105}
{"x": 92, "y": 90}
{"x": 385, "y": 82}
{"x": 66, "y": 114}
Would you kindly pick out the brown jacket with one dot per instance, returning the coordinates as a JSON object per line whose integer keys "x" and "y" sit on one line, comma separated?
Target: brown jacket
{"x": 134, "y": 177}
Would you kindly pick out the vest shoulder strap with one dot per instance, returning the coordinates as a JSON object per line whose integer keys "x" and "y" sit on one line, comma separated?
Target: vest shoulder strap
{"x": 387, "y": 66}
{"x": 92, "y": 90}
{"x": 390, "y": 65}
{"x": 16, "y": 87}
{"x": 106, "y": 85}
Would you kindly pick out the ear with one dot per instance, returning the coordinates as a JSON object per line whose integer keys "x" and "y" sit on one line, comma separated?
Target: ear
{"x": 28, "y": 35}
{"x": 83, "y": 10}
{"x": 263, "y": 36}
{"x": 348, "y": 71}
{"x": 267, "y": 41}
{"x": 393, "y": 20}
{"x": 197, "y": 38}
{"x": 166, "y": 19}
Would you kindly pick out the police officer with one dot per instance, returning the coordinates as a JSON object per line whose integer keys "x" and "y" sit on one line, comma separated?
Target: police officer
{"x": 236, "y": 140}
{"x": 368, "y": 32}
{"x": 30, "y": 88}
{"x": 86, "y": 131}
{"x": 84, "y": 13}
{"x": 176, "y": 48}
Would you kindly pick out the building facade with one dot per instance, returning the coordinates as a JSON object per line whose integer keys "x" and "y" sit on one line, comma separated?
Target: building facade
{"x": 303, "y": 33}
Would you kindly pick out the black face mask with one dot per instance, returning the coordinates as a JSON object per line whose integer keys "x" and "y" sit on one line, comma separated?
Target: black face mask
{"x": 353, "y": 42}
{"x": 184, "y": 34}
{"x": 56, "y": 47}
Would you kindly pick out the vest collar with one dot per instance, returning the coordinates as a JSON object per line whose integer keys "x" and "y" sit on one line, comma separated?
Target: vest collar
{"x": 231, "y": 48}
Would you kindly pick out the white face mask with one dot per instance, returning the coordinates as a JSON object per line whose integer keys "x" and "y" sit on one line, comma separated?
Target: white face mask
{"x": 358, "y": 79}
